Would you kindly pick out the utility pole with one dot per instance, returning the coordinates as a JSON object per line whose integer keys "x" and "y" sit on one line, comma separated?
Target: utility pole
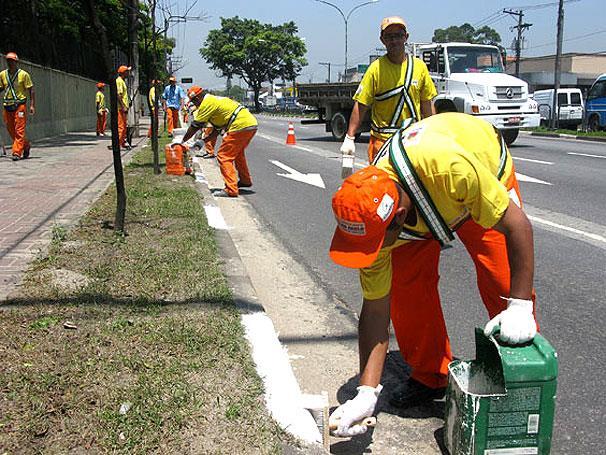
{"x": 328, "y": 65}
{"x": 555, "y": 107}
{"x": 521, "y": 27}
{"x": 133, "y": 45}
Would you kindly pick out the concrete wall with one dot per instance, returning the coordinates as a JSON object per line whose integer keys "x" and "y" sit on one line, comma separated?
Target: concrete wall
{"x": 64, "y": 102}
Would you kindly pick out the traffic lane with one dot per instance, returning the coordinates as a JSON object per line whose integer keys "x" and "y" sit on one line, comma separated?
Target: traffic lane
{"x": 576, "y": 183}
{"x": 300, "y": 214}
{"x": 313, "y": 135}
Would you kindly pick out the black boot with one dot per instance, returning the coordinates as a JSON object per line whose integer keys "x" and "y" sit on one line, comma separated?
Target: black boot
{"x": 415, "y": 393}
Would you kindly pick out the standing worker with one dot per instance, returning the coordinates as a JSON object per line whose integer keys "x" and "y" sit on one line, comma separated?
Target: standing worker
{"x": 17, "y": 85}
{"x": 101, "y": 109}
{"x": 396, "y": 87}
{"x": 123, "y": 105}
{"x": 172, "y": 101}
{"x": 450, "y": 172}
{"x": 151, "y": 97}
{"x": 239, "y": 125}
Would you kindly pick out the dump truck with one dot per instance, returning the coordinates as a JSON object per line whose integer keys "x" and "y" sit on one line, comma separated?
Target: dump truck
{"x": 332, "y": 102}
{"x": 469, "y": 78}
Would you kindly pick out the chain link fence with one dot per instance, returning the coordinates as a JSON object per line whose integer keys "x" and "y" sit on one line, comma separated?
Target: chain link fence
{"x": 64, "y": 102}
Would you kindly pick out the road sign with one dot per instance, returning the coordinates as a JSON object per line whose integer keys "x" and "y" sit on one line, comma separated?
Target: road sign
{"x": 187, "y": 80}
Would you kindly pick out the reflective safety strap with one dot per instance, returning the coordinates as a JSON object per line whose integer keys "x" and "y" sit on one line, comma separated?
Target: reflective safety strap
{"x": 10, "y": 81}
{"x": 417, "y": 192}
{"x": 233, "y": 117}
{"x": 503, "y": 157}
{"x": 406, "y": 234}
{"x": 384, "y": 148}
{"x": 405, "y": 98}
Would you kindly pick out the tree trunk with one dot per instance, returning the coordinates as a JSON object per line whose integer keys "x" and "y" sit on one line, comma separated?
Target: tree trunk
{"x": 113, "y": 95}
{"x": 256, "y": 90}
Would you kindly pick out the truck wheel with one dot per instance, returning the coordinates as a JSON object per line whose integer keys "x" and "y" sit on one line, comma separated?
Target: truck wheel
{"x": 338, "y": 125}
{"x": 594, "y": 123}
{"x": 510, "y": 136}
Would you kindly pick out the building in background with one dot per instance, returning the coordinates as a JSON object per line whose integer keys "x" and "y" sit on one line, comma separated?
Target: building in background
{"x": 578, "y": 70}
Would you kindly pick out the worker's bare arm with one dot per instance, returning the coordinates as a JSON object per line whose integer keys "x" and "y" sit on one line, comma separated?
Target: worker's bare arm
{"x": 190, "y": 132}
{"x": 520, "y": 249}
{"x": 427, "y": 109}
{"x": 373, "y": 339}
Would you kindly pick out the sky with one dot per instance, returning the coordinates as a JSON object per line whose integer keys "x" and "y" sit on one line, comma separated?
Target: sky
{"x": 323, "y": 28}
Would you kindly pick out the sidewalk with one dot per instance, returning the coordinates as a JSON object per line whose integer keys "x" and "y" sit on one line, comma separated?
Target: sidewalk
{"x": 55, "y": 186}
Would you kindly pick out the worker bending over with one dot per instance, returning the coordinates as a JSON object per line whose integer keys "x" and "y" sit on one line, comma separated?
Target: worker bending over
{"x": 239, "y": 126}
{"x": 450, "y": 172}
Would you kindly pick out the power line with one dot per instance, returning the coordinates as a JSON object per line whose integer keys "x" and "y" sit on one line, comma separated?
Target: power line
{"x": 570, "y": 39}
{"x": 540, "y": 5}
{"x": 481, "y": 22}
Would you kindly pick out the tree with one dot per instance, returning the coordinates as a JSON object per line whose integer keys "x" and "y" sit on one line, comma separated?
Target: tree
{"x": 254, "y": 51}
{"x": 466, "y": 33}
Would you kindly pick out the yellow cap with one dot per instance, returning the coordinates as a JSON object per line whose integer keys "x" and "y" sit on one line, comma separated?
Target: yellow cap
{"x": 392, "y": 20}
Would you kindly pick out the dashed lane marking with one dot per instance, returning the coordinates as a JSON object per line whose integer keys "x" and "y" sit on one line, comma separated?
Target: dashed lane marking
{"x": 587, "y": 154}
{"x": 532, "y": 161}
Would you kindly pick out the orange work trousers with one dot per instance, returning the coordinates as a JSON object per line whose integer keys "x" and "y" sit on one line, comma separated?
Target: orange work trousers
{"x": 172, "y": 117}
{"x": 101, "y": 122}
{"x": 15, "y": 124}
{"x": 122, "y": 118}
{"x": 209, "y": 145}
{"x": 374, "y": 146}
{"x": 232, "y": 160}
{"x": 416, "y": 312}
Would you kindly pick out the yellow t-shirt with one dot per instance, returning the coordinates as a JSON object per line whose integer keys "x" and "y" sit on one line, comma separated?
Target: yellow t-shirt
{"x": 383, "y": 77}
{"x": 122, "y": 91}
{"x": 456, "y": 157}
{"x": 100, "y": 100}
{"x": 21, "y": 84}
{"x": 151, "y": 95}
{"x": 218, "y": 110}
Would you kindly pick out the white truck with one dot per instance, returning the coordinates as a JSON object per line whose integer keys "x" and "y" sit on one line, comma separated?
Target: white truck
{"x": 569, "y": 106}
{"x": 470, "y": 78}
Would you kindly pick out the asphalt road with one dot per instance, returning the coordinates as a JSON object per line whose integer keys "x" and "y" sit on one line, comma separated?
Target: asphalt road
{"x": 563, "y": 184}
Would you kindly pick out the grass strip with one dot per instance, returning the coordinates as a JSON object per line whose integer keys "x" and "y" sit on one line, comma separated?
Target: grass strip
{"x": 131, "y": 344}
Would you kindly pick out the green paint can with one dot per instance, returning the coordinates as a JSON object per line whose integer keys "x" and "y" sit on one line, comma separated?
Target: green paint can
{"x": 503, "y": 402}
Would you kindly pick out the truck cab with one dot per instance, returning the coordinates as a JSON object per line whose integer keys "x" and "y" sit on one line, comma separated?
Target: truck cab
{"x": 470, "y": 78}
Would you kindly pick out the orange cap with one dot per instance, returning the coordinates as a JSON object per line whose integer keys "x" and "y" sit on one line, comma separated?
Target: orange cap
{"x": 392, "y": 20}
{"x": 194, "y": 91}
{"x": 172, "y": 79}
{"x": 100, "y": 85}
{"x": 124, "y": 69}
{"x": 12, "y": 56}
{"x": 364, "y": 206}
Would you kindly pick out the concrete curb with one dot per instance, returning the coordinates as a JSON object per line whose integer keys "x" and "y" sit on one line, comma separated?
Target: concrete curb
{"x": 282, "y": 392}
{"x": 565, "y": 136}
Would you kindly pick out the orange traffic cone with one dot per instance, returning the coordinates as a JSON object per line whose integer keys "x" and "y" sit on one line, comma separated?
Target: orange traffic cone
{"x": 290, "y": 139}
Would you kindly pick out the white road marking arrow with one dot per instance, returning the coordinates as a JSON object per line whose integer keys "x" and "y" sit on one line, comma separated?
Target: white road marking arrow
{"x": 311, "y": 179}
{"x": 525, "y": 178}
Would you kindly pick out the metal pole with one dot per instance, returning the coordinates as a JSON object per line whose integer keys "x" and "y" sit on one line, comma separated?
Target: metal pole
{"x": 519, "y": 44}
{"x": 555, "y": 107}
{"x": 345, "y": 73}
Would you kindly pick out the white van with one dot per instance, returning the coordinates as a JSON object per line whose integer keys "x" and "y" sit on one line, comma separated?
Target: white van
{"x": 570, "y": 105}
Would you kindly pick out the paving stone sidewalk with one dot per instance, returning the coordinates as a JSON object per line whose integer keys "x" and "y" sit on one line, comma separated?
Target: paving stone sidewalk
{"x": 55, "y": 186}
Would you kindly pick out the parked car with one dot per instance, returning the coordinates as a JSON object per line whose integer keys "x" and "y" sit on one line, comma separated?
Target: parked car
{"x": 570, "y": 106}
{"x": 595, "y": 107}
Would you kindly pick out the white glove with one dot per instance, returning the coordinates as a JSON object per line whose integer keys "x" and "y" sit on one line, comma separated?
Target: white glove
{"x": 517, "y": 322}
{"x": 348, "y": 150}
{"x": 354, "y": 410}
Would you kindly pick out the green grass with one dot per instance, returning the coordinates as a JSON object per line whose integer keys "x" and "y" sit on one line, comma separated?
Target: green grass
{"x": 156, "y": 328}
{"x": 542, "y": 129}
